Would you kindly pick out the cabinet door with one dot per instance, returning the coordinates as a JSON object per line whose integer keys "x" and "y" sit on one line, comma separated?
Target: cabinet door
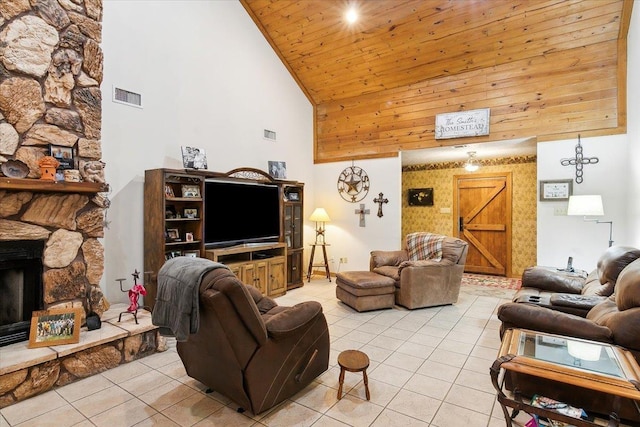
{"x": 294, "y": 269}
{"x": 261, "y": 276}
{"x": 297, "y": 226}
{"x": 248, "y": 274}
{"x": 277, "y": 283}
{"x": 288, "y": 225}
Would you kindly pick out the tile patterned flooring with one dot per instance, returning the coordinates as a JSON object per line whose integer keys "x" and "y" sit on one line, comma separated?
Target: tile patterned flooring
{"x": 429, "y": 367}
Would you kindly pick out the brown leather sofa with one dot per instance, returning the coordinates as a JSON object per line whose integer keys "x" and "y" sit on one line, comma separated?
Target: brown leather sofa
{"x": 249, "y": 348}
{"x": 615, "y": 320}
{"x": 423, "y": 282}
{"x": 575, "y": 292}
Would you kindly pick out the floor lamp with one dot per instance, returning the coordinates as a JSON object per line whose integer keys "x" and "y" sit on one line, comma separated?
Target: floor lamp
{"x": 590, "y": 205}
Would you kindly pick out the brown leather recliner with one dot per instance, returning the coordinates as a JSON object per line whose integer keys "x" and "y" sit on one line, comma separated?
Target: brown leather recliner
{"x": 249, "y": 348}
{"x": 423, "y": 282}
{"x": 615, "y": 320}
{"x": 575, "y": 292}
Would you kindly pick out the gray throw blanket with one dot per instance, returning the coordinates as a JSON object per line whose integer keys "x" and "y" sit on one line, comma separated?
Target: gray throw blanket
{"x": 176, "y": 309}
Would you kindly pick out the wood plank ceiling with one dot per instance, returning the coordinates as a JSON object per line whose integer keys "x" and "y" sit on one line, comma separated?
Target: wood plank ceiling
{"x": 546, "y": 68}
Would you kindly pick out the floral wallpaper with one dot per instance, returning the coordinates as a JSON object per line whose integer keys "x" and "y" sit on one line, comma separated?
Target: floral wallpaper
{"x": 439, "y": 176}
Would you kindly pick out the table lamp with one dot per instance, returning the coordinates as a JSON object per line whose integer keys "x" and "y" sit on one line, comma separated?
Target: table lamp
{"x": 589, "y": 205}
{"x": 320, "y": 216}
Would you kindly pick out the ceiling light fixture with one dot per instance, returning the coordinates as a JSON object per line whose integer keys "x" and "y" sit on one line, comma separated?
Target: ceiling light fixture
{"x": 471, "y": 164}
{"x": 351, "y": 15}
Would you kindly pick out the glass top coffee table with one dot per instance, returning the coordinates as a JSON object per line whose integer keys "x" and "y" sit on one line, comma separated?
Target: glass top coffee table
{"x": 587, "y": 366}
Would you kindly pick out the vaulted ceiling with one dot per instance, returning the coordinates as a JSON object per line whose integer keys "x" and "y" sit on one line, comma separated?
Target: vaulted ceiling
{"x": 377, "y": 85}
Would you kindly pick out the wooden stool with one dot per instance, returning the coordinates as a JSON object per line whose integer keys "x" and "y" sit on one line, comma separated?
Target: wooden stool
{"x": 353, "y": 361}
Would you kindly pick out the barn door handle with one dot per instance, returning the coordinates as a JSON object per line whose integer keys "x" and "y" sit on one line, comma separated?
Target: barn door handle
{"x": 461, "y": 224}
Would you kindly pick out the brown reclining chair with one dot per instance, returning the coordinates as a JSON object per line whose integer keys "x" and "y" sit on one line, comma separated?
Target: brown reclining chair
{"x": 249, "y": 348}
{"x": 616, "y": 320}
{"x": 423, "y": 277}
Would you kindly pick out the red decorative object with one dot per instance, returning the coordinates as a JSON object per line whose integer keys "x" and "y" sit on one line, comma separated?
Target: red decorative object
{"x": 48, "y": 166}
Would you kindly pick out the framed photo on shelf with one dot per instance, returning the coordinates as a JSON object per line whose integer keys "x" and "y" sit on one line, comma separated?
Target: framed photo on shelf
{"x": 168, "y": 191}
{"x": 188, "y": 237}
{"x": 173, "y": 235}
{"x": 190, "y": 190}
{"x": 55, "y": 327}
{"x": 62, "y": 154}
{"x": 194, "y": 158}
{"x": 191, "y": 213}
{"x": 192, "y": 254}
{"x": 171, "y": 254}
{"x": 556, "y": 190}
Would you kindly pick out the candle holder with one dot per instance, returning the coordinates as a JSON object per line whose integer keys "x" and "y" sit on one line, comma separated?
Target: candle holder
{"x": 134, "y": 294}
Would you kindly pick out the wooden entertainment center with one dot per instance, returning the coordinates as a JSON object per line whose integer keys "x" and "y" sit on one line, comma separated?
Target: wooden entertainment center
{"x": 174, "y": 223}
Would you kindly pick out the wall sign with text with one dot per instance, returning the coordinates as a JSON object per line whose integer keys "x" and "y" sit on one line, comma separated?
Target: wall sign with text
{"x": 462, "y": 123}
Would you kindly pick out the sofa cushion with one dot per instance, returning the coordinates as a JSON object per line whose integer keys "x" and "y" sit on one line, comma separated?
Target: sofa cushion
{"x": 424, "y": 246}
{"x": 628, "y": 287}
{"x": 614, "y": 260}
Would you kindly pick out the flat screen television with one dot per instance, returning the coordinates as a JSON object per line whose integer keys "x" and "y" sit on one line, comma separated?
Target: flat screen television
{"x": 236, "y": 213}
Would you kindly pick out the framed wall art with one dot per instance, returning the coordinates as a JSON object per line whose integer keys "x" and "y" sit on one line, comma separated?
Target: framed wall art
{"x": 421, "y": 197}
{"x": 55, "y": 327}
{"x": 556, "y": 190}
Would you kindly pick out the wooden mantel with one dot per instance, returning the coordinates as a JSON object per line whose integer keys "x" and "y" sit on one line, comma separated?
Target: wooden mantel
{"x": 39, "y": 185}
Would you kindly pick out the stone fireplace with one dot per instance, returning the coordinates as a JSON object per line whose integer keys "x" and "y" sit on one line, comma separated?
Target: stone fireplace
{"x": 50, "y": 75}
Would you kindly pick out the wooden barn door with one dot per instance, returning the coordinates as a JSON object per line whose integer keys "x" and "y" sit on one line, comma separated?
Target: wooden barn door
{"x": 482, "y": 217}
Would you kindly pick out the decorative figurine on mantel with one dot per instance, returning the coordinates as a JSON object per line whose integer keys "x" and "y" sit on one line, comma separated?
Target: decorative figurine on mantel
{"x": 48, "y": 167}
{"x": 134, "y": 294}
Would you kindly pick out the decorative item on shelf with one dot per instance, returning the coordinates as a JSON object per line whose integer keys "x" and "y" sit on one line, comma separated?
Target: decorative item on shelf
{"x": 471, "y": 165}
{"x": 48, "y": 166}
{"x": 168, "y": 191}
{"x": 320, "y": 217}
{"x": 62, "y": 154}
{"x": 380, "y": 200}
{"x": 92, "y": 171}
{"x": 191, "y": 213}
{"x": 134, "y": 295}
{"x": 15, "y": 169}
{"x": 277, "y": 170}
{"x": 72, "y": 175}
{"x": 188, "y": 237}
{"x": 362, "y": 212}
{"x": 579, "y": 161}
{"x": 353, "y": 184}
{"x": 189, "y": 190}
{"x": 421, "y": 197}
{"x": 589, "y": 205}
{"x": 194, "y": 158}
{"x": 172, "y": 235}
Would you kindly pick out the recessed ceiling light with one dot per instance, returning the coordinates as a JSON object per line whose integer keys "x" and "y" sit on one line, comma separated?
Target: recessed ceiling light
{"x": 351, "y": 15}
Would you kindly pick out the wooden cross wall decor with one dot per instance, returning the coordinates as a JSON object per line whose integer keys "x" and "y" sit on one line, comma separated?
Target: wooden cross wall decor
{"x": 362, "y": 212}
{"x": 579, "y": 161}
{"x": 380, "y": 200}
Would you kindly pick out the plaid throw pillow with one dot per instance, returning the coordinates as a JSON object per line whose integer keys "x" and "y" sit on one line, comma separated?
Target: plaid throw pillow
{"x": 424, "y": 246}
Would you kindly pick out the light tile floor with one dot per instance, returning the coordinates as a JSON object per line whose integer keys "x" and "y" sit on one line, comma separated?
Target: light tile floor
{"x": 429, "y": 367}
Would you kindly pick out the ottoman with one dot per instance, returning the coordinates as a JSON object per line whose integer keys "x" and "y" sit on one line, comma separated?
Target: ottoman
{"x": 365, "y": 290}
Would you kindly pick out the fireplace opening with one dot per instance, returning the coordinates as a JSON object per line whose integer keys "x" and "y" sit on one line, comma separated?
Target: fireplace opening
{"x": 20, "y": 288}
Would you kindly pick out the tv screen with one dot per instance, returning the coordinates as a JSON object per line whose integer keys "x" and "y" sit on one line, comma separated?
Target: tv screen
{"x": 237, "y": 213}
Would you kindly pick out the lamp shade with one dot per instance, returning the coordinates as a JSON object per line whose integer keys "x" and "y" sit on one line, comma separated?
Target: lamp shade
{"x": 320, "y": 215}
{"x": 585, "y": 205}
{"x": 584, "y": 350}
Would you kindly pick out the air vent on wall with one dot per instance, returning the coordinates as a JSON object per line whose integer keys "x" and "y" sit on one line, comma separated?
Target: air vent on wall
{"x": 126, "y": 97}
{"x": 270, "y": 135}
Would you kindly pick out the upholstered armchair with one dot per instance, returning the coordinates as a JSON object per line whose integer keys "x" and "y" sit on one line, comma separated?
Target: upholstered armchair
{"x": 427, "y": 272}
{"x": 249, "y": 348}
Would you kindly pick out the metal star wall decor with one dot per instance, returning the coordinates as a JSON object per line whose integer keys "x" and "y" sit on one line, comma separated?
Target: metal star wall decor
{"x": 353, "y": 184}
{"x": 579, "y": 161}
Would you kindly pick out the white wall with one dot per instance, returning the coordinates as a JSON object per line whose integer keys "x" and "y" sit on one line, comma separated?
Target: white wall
{"x": 208, "y": 79}
{"x": 561, "y": 236}
{"x": 346, "y": 238}
{"x": 633, "y": 125}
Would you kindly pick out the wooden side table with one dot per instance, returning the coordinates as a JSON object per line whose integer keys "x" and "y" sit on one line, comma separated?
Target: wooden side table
{"x": 549, "y": 359}
{"x": 326, "y": 260}
{"x": 353, "y": 361}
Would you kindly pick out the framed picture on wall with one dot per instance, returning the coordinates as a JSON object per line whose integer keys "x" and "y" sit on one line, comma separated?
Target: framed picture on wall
{"x": 421, "y": 197}
{"x": 556, "y": 190}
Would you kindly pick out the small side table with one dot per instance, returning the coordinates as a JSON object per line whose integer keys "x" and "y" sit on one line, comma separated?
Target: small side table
{"x": 325, "y": 264}
{"x": 353, "y": 361}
